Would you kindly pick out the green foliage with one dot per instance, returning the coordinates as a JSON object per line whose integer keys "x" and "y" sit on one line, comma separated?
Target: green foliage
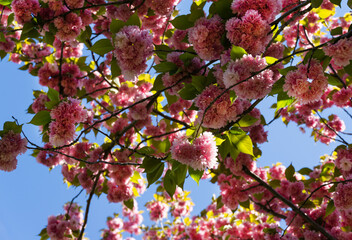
{"x": 41, "y": 118}
{"x": 102, "y": 47}
{"x": 195, "y": 174}
{"x": 237, "y": 52}
{"x": 289, "y": 173}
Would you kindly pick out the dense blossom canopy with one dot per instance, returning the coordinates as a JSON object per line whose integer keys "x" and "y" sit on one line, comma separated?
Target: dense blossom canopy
{"x": 136, "y": 93}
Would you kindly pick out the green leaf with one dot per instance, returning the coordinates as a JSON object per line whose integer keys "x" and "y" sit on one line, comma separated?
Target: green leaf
{"x": 162, "y": 51}
{"x": 245, "y": 204}
{"x": 187, "y": 58}
{"x": 233, "y": 96}
{"x": 199, "y": 82}
{"x": 316, "y": 3}
{"x": 222, "y": 8}
{"x": 349, "y": 3}
{"x": 348, "y": 68}
{"x": 247, "y": 121}
{"x": 85, "y": 35}
{"x": 12, "y": 126}
{"x": 146, "y": 150}
{"x": 116, "y": 25}
{"x": 330, "y": 208}
{"x": 10, "y": 18}
{"x": 102, "y": 47}
{"x": 150, "y": 164}
{"x": 180, "y": 171}
{"x": 305, "y": 171}
{"x": 41, "y": 118}
{"x": 283, "y": 100}
{"x": 242, "y": 142}
{"x": 129, "y": 203}
{"x": 237, "y": 52}
{"x": 166, "y": 67}
{"x": 336, "y": 31}
{"x": 336, "y": 2}
{"x": 43, "y": 234}
{"x": 309, "y": 204}
{"x": 189, "y": 92}
{"x": 6, "y": 2}
{"x": 53, "y": 95}
{"x": 169, "y": 183}
{"x": 115, "y": 69}
{"x": 270, "y": 231}
{"x": 182, "y": 22}
{"x": 158, "y": 83}
{"x": 152, "y": 177}
{"x": 286, "y": 70}
{"x": 26, "y": 30}
{"x": 134, "y": 21}
{"x": 196, "y": 175}
{"x": 219, "y": 203}
{"x": 289, "y": 173}
{"x": 270, "y": 60}
{"x": 49, "y": 38}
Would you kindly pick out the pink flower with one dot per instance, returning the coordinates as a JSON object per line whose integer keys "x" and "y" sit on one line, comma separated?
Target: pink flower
{"x": 11, "y": 145}
{"x": 69, "y": 27}
{"x": 133, "y": 47}
{"x": 157, "y": 210}
{"x": 343, "y": 196}
{"x": 206, "y": 37}
{"x": 253, "y": 88}
{"x": 306, "y": 86}
{"x": 268, "y": 9}
{"x": 24, "y": 9}
{"x": 200, "y": 155}
{"x": 250, "y": 32}
{"x": 341, "y": 52}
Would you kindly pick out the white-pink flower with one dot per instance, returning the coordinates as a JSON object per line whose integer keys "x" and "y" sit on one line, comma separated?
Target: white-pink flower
{"x": 201, "y": 154}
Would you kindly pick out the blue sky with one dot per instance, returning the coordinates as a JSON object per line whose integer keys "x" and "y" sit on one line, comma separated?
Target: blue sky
{"x": 31, "y": 193}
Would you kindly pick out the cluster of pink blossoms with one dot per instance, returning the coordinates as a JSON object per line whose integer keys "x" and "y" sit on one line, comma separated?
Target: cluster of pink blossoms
{"x": 11, "y": 145}
{"x": 23, "y": 10}
{"x": 177, "y": 80}
{"x": 65, "y": 116}
{"x": 251, "y": 27}
{"x": 201, "y": 154}
{"x": 222, "y": 111}
{"x": 341, "y": 52}
{"x": 157, "y": 210}
{"x": 132, "y": 48}
{"x": 253, "y": 88}
{"x": 307, "y": 83}
{"x": 206, "y": 37}
{"x": 63, "y": 226}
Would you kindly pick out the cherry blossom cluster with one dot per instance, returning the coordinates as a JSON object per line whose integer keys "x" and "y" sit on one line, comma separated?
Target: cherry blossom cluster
{"x": 65, "y": 116}
{"x": 65, "y": 226}
{"x": 197, "y": 118}
{"x": 201, "y": 154}
{"x": 11, "y": 145}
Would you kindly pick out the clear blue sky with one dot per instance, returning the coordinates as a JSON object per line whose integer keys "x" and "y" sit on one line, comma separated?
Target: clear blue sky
{"x": 31, "y": 193}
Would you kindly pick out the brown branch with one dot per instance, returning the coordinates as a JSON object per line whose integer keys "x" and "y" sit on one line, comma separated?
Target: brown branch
{"x": 88, "y": 206}
{"x": 268, "y": 209}
{"x": 308, "y": 219}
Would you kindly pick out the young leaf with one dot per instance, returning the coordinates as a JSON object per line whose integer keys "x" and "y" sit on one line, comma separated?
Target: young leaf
{"x": 196, "y": 175}
{"x": 152, "y": 177}
{"x": 289, "y": 173}
{"x": 169, "y": 183}
{"x": 316, "y": 3}
{"x": 237, "y": 52}
{"x": 41, "y": 118}
{"x": 330, "y": 208}
{"x": 102, "y": 47}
